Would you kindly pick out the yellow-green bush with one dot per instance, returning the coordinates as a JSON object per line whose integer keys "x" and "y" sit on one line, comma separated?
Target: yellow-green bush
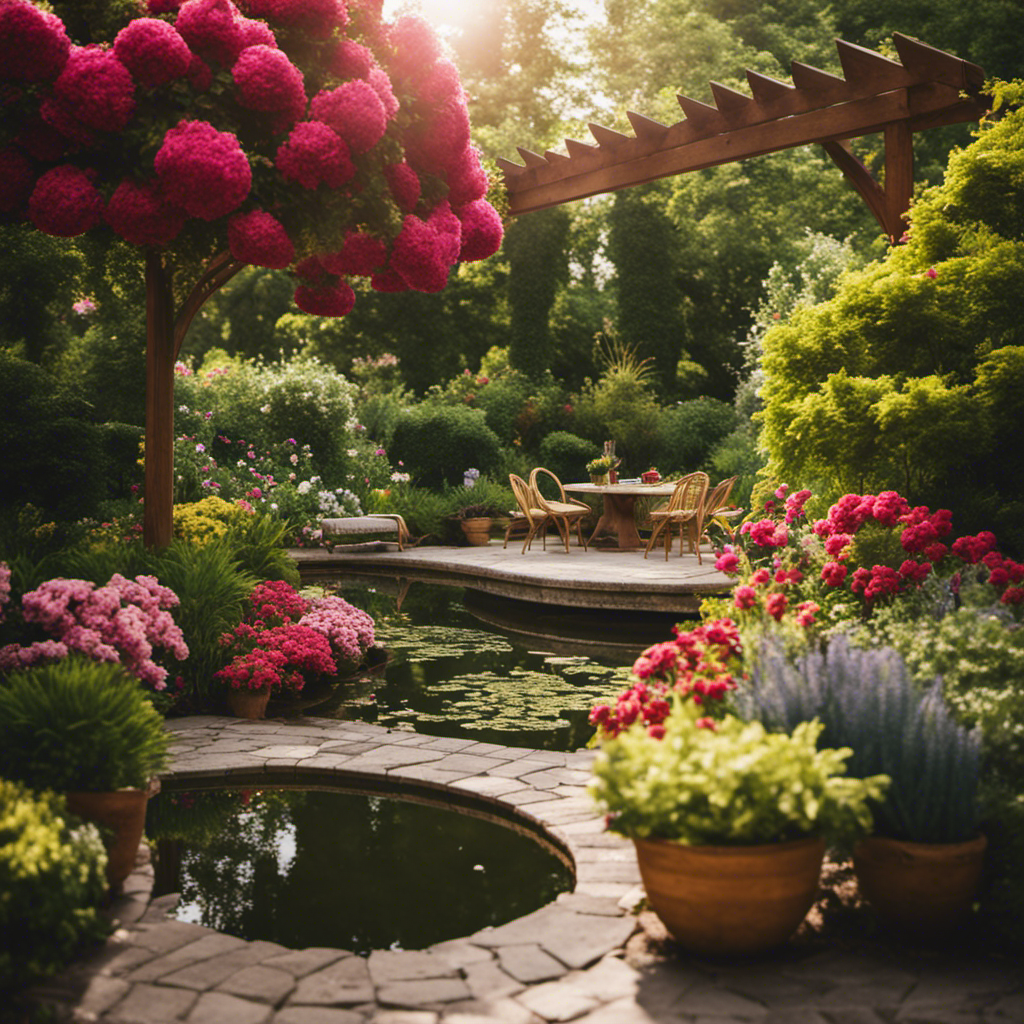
{"x": 51, "y": 882}
{"x": 201, "y": 521}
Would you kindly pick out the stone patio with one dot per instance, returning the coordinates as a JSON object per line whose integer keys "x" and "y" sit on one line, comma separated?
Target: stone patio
{"x": 584, "y": 957}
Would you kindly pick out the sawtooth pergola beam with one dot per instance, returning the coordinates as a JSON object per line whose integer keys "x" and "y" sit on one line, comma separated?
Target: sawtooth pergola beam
{"x": 925, "y": 88}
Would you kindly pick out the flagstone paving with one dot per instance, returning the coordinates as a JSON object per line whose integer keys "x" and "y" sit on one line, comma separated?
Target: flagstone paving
{"x": 583, "y": 957}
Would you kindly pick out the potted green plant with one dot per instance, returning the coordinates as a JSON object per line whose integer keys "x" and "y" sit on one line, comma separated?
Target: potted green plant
{"x": 86, "y": 728}
{"x": 476, "y": 521}
{"x": 730, "y": 822}
{"x": 921, "y": 867}
{"x": 600, "y": 467}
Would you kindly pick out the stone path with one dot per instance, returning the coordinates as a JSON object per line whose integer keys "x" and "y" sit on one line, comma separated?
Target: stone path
{"x": 580, "y": 958}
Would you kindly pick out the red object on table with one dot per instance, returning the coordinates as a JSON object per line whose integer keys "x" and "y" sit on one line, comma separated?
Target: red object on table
{"x": 613, "y": 477}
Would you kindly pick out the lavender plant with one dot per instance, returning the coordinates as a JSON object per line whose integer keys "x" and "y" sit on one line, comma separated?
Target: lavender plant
{"x": 867, "y": 700}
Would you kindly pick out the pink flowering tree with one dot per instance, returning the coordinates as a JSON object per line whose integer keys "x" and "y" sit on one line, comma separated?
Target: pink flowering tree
{"x": 302, "y": 135}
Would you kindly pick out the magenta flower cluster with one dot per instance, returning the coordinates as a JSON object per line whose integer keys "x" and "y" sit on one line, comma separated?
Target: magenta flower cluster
{"x": 123, "y": 622}
{"x": 5, "y": 589}
{"x": 697, "y": 664}
{"x": 308, "y": 84}
{"x": 286, "y": 640}
{"x": 795, "y": 569}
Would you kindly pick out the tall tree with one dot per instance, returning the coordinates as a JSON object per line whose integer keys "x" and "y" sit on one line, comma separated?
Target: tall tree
{"x": 643, "y": 246}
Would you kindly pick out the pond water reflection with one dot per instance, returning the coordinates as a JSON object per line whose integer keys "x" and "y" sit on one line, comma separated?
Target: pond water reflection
{"x": 461, "y": 664}
{"x": 344, "y": 870}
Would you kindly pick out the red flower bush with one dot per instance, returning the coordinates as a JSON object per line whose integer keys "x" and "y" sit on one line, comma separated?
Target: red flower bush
{"x": 349, "y": 59}
{"x": 202, "y": 170}
{"x": 314, "y": 155}
{"x": 361, "y": 255}
{"x": 140, "y": 214}
{"x": 354, "y": 111}
{"x": 97, "y": 88}
{"x": 266, "y": 80}
{"x": 481, "y": 231}
{"x": 386, "y": 108}
{"x": 34, "y": 43}
{"x": 153, "y": 51}
{"x": 212, "y": 28}
{"x": 333, "y": 299}
{"x": 404, "y": 183}
{"x": 260, "y": 239}
{"x": 696, "y": 664}
{"x": 65, "y": 202}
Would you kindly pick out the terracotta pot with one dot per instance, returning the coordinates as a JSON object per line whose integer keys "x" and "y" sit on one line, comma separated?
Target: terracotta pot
{"x": 920, "y": 887}
{"x": 123, "y": 811}
{"x": 477, "y": 530}
{"x": 731, "y": 899}
{"x": 246, "y": 703}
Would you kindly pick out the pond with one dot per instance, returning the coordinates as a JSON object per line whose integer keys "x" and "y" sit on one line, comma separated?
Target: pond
{"x": 465, "y": 664}
{"x": 344, "y": 870}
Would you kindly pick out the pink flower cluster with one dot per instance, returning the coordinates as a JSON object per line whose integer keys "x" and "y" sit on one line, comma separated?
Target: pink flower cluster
{"x": 122, "y": 622}
{"x": 695, "y": 664}
{"x": 5, "y": 588}
{"x": 349, "y": 629}
{"x": 287, "y": 640}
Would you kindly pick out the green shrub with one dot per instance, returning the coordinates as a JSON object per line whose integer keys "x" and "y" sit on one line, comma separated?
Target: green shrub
{"x": 121, "y": 453}
{"x": 689, "y": 432}
{"x": 425, "y": 511}
{"x": 52, "y": 879}
{"x": 437, "y": 443}
{"x": 567, "y": 455}
{"x": 79, "y": 724}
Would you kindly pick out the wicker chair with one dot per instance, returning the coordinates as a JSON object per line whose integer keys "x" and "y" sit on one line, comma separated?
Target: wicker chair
{"x": 563, "y": 511}
{"x": 716, "y": 508}
{"x": 684, "y": 509}
{"x": 535, "y": 519}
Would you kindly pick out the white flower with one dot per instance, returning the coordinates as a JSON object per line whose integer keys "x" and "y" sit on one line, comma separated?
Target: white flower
{"x": 352, "y": 452}
{"x": 400, "y": 478}
{"x": 182, "y": 408}
{"x": 264, "y": 408}
{"x": 304, "y": 487}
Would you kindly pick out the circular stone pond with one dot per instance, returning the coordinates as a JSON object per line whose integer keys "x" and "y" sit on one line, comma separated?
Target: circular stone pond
{"x": 355, "y": 871}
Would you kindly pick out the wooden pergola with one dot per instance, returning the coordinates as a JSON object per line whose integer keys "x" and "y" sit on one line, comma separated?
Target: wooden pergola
{"x": 924, "y": 89}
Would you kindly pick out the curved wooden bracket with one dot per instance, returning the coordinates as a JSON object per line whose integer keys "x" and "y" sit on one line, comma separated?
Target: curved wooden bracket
{"x": 890, "y": 203}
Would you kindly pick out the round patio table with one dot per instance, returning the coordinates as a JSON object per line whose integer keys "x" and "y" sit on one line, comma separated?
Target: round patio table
{"x": 618, "y": 517}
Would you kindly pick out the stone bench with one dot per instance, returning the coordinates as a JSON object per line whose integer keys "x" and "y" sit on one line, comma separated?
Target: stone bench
{"x": 378, "y": 523}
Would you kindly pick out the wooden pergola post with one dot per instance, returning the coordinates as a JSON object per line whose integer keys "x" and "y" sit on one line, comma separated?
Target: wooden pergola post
{"x": 165, "y": 332}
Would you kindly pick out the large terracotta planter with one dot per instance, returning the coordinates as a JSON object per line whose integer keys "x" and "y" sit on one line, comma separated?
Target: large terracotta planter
{"x": 123, "y": 811}
{"x": 926, "y": 888}
{"x": 246, "y": 703}
{"x": 731, "y": 899}
{"x": 477, "y": 530}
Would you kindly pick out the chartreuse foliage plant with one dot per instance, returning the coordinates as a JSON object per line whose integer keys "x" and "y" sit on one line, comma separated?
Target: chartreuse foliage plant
{"x": 52, "y": 879}
{"x": 79, "y": 724}
{"x": 732, "y": 785}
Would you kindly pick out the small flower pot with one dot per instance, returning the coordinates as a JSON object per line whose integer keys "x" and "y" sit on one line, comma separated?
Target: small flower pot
{"x": 123, "y": 812}
{"x": 477, "y": 530}
{"x": 246, "y": 703}
{"x": 599, "y": 478}
{"x": 922, "y": 888}
{"x": 724, "y": 900}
